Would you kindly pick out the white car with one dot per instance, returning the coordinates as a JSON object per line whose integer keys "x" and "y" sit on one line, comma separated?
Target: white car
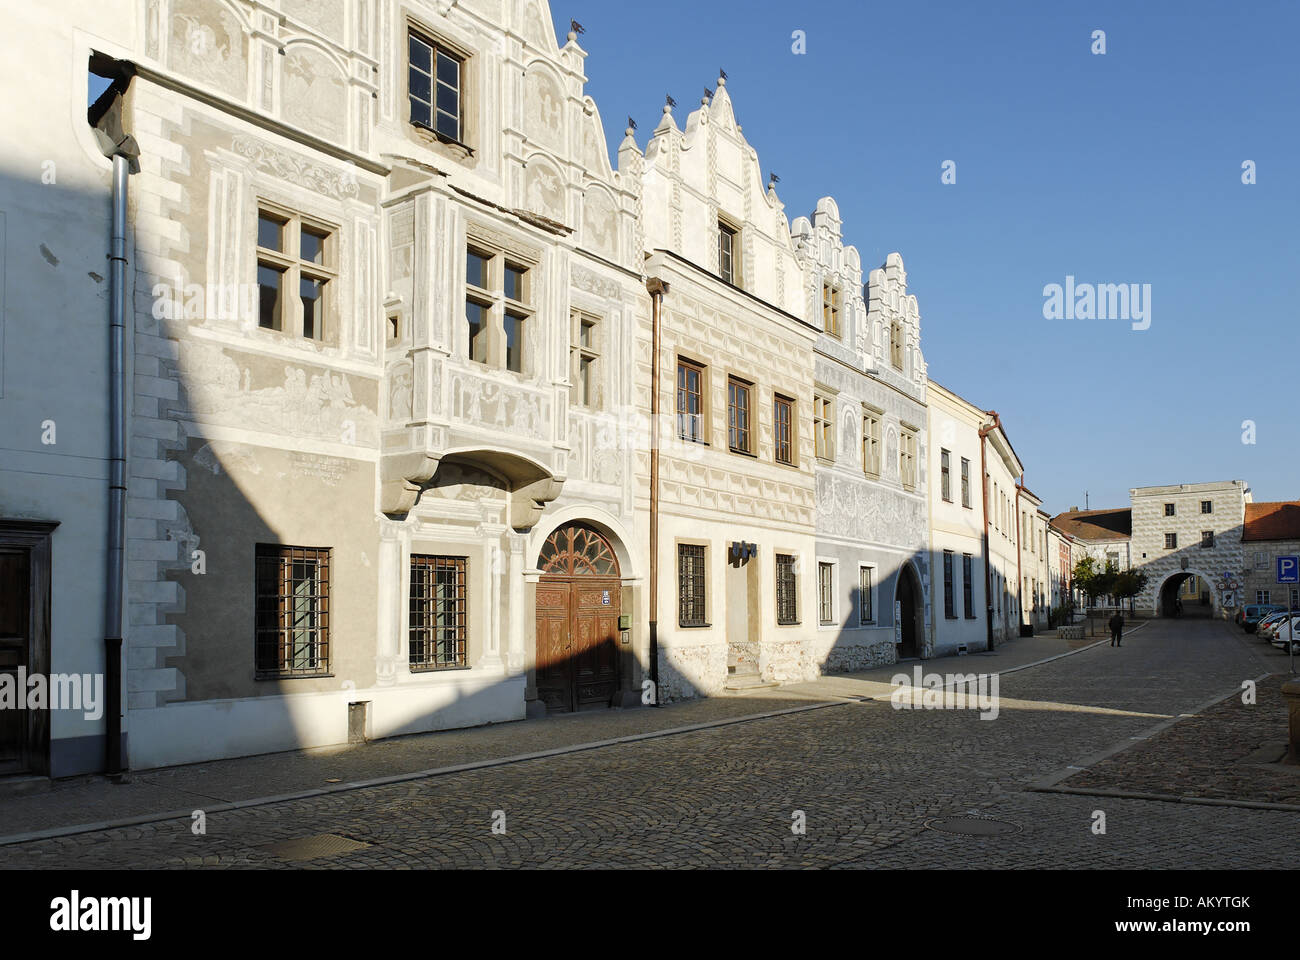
{"x": 1283, "y": 633}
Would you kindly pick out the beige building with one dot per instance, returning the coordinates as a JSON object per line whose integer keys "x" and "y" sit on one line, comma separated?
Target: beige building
{"x": 733, "y": 481}
{"x": 1003, "y": 471}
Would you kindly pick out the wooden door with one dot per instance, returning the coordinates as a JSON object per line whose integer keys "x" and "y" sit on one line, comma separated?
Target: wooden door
{"x": 578, "y": 605}
{"x": 15, "y": 655}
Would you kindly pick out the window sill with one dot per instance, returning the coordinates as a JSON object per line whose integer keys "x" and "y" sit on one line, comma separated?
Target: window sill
{"x": 423, "y": 669}
{"x": 789, "y": 623}
{"x": 743, "y": 453}
{"x": 694, "y": 626}
{"x": 268, "y": 675}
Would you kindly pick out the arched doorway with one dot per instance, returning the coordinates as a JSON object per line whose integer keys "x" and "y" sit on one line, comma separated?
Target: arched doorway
{"x": 1186, "y": 594}
{"x": 578, "y": 606}
{"x": 909, "y": 613}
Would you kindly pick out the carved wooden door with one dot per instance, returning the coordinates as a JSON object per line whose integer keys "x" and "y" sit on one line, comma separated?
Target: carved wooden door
{"x": 578, "y": 604}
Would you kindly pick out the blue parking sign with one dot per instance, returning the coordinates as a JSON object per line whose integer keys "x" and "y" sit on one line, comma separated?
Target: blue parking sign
{"x": 1288, "y": 569}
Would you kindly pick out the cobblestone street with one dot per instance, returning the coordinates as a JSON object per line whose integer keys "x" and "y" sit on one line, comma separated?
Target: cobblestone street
{"x": 864, "y": 776}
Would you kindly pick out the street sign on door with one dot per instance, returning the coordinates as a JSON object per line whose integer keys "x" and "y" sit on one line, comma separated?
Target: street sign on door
{"x": 1288, "y": 569}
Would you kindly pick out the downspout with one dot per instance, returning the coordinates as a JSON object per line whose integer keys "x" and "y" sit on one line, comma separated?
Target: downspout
{"x": 1020, "y": 551}
{"x": 984, "y": 482}
{"x": 124, "y": 151}
{"x": 657, "y": 290}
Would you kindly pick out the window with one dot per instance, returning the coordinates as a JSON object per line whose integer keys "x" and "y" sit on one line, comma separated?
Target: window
{"x": 907, "y": 459}
{"x": 826, "y": 593}
{"x": 1263, "y": 596}
{"x": 949, "y": 601}
{"x": 945, "y": 475}
{"x": 968, "y": 585}
{"x": 690, "y": 402}
{"x": 498, "y": 308}
{"x": 435, "y": 87}
{"x": 965, "y": 482}
{"x": 1169, "y": 510}
{"x": 871, "y": 444}
{"x": 823, "y": 428}
{"x": 738, "y": 416}
{"x": 690, "y": 585}
{"x": 1207, "y": 506}
{"x": 831, "y": 304}
{"x": 293, "y": 254}
{"x": 584, "y": 357}
{"x": 1207, "y": 538}
{"x": 726, "y": 252}
{"x": 1171, "y": 541}
{"x": 783, "y": 429}
{"x": 866, "y": 612}
{"x": 787, "y": 607}
{"x": 896, "y": 345}
{"x": 438, "y": 624}
{"x": 292, "y": 611}
{"x": 1261, "y": 561}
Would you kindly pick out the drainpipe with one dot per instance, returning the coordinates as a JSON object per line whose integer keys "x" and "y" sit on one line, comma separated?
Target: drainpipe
{"x": 1020, "y": 551}
{"x": 984, "y": 482}
{"x": 658, "y": 288}
{"x": 124, "y": 151}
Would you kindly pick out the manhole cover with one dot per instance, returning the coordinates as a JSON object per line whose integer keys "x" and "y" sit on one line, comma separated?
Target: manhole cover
{"x": 972, "y": 826}
{"x": 313, "y": 848}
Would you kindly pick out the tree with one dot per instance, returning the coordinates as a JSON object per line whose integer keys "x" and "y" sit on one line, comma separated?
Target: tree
{"x": 1129, "y": 584}
{"x": 1085, "y": 579}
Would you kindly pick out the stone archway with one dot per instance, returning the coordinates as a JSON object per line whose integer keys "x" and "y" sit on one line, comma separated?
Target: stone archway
{"x": 1170, "y": 604}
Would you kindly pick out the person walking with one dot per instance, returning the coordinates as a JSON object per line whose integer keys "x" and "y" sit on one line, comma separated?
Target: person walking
{"x": 1117, "y": 629}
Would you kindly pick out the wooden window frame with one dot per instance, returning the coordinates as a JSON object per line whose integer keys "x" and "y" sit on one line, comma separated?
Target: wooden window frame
{"x": 965, "y": 483}
{"x": 824, "y": 428}
{"x": 586, "y": 391}
{"x": 832, "y": 307}
{"x": 293, "y": 270}
{"x": 498, "y": 306}
{"x": 825, "y": 593}
{"x": 740, "y": 437}
{"x": 728, "y": 264}
{"x": 949, "y": 586}
{"x": 790, "y": 441}
{"x": 907, "y": 459}
{"x": 273, "y": 629}
{"x": 427, "y": 630}
{"x": 945, "y": 475}
{"x": 437, "y": 46}
{"x": 701, "y": 433}
{"x": 968, "y": 585}
{"x": 871, "y": 458}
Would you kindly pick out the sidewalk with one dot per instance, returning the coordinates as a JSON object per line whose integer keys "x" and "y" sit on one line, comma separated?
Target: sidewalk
{"x": 177, "y": 791}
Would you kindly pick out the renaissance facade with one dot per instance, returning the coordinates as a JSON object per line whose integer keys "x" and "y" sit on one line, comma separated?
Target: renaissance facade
{"x": 436, "y": 418}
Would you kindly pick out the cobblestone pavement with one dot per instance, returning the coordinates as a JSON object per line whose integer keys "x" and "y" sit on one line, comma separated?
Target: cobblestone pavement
{"x": 1229, "y": 751}
{"x": 864, "y": 777}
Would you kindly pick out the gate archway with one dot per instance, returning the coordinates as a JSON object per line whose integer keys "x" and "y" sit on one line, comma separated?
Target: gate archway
{"x": 578, "y": 606}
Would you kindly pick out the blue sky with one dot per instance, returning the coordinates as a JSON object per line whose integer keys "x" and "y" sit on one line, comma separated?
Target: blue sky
{"x": 1122, "y": 168}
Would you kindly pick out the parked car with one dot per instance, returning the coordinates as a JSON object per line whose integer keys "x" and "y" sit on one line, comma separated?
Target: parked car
{"x": 1266, "y": 629}
{"x": 1258, "y": 611}
{"x": 1281, "y": 632}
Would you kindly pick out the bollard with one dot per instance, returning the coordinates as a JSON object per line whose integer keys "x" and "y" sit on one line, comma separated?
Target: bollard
{"x": 1291, "y": 690}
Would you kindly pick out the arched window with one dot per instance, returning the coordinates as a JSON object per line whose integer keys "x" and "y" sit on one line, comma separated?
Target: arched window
{"x": 577, "y": 551}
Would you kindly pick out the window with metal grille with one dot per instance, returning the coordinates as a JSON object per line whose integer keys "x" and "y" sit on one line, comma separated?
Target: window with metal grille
{"x": 787, "y": 608}
{"x": 1171, "y": 541}
{"x": 738, "y": 432}
{"x": 690, "y": 585}
{"x": 690, "y": 402}
{"x": 1207, "y": 506}
{"x": 1207, "y": 538}
{"x": 826, "y": 593}
{"x": 783, "y": 429}
{"x": 435, "y": 87}
{"x": 866, "y": 608}
{"x": 438, "y": 631}
{"x": 292, "y": 611}
{"x": 968, "y": 585}
{"x": 949, "y": 602}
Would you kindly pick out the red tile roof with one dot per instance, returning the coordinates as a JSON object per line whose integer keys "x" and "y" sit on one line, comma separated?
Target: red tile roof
{"x": 1271, "y": 521}
{"x": 1096, "y": 524}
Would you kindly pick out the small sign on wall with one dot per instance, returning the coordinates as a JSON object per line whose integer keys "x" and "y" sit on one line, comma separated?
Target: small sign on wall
{"x": 1229, "y": 598}
{"x": 604, "y": 597}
